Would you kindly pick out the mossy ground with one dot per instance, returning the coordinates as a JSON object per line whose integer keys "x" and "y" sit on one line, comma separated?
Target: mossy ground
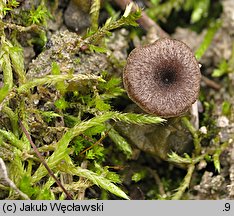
{"x": 61, "y": 101}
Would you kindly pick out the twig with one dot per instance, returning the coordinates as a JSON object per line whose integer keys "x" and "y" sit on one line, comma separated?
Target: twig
{"x": 145, "y": 22}
{"x": 211, "y": 83}
{"x": 43, "y": 161}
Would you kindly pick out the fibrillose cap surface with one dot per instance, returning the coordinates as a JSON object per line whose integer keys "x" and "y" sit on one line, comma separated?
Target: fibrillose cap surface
{"x": 163, "y": 78}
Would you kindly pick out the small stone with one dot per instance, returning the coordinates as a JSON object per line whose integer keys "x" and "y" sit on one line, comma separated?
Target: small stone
{"x": 222, "y": 122}
{"x": 75, "y": 18}
{"x": 202, "y": 165}
{"x": 36, "y": 101}
{"x": 203, "y": 130}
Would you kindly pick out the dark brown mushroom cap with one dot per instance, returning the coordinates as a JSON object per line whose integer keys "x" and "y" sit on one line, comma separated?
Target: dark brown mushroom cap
{"x": 163, "y": 78}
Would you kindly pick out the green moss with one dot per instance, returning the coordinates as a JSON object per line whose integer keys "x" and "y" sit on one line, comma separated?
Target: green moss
{"x": 69, "y": 105}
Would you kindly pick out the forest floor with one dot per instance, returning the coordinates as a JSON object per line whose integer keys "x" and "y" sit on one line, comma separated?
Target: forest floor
{"x": 68, "y": 129}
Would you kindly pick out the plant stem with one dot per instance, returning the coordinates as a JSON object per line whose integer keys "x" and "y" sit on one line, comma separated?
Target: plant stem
{"x": 43, "y": 161}
{"x": 185, "y": 183}
{"x": 196, "y": 140}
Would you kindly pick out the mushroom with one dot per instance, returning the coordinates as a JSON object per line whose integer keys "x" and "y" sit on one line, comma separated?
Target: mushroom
{"x": 163, "y": 78}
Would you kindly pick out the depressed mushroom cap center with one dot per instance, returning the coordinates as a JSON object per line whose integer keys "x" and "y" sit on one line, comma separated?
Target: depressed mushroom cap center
{"x": 166, "y": 77}
{"x": 163, "y": 78}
